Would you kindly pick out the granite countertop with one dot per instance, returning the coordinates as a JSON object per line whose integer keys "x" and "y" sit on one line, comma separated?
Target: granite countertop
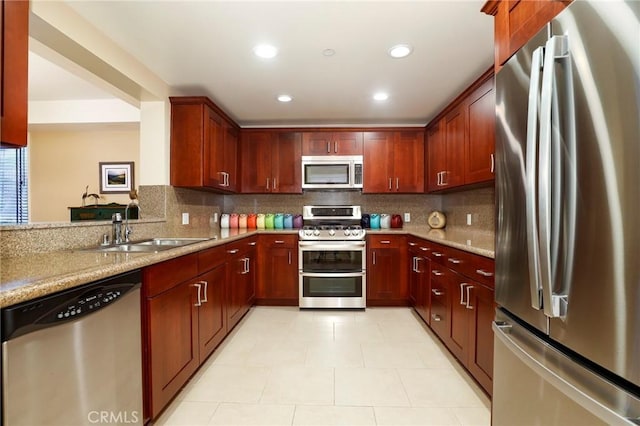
{"x": 28, "y": 277}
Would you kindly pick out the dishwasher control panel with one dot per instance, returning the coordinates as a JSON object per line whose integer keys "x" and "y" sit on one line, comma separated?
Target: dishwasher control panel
{"x": 89, "y": 303}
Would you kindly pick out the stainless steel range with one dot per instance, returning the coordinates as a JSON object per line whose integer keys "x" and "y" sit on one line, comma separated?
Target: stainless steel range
{"x": 332, "y": 258}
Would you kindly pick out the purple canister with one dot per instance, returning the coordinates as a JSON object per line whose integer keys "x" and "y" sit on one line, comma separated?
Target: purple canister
{"x": 288, "y": 221}
{"x": 297, "y": 221}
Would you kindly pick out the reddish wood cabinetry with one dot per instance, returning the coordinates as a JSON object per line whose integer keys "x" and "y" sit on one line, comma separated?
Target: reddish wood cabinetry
{"x": 386, "y": 283}
{"x": 241, "y": 277}
{"x": 461, "y": 140}
{"x": 332, "y": 143}
{"x": 278, "y": 264}
{"x": 420, "y": 264}
{"x": 204, "y": 144}
{"x": 270, "y": 162}
{"x": 14, "y": 54}
{"x": 516, "y": 21}
{"x": 393, "y": 162}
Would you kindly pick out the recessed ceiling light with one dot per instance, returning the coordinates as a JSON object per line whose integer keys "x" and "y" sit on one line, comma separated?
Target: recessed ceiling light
{"x": 380, "y": 96}
{"x": 285, "y": 98}
{"x": 400, "y": 50}
{"x": 265, "y": 51}
{"x": 328, "y": 52}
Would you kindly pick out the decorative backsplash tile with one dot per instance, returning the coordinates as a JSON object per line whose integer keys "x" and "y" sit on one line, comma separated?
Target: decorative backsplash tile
{"x": 480, "y": 203}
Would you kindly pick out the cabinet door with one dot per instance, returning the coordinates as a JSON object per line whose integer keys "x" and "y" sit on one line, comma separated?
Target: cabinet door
{"x": 286, "y": 163}
{"x": 317, "y": 143}
{"x": 281, "y": 278}
{"x": 440, "y": 311}
{"x": 237, "y": 273}
{"x": 378, "y": 162}
{"x": 455, "y": 139}
{"x": 480, "y": 147}
{"x": 255, "y": 151}
{"x": 382, "y": 275}
{"x": 424, "y": 289}
{"x": 347, "y": 143}
{"x": 408, "y": 160}
{"x": 459, "y": 335}
{"x": 250, "y": 280}
{"x": 230, "y": 166}
{"x": 414, "y": 278}
{"x": 211, "y": 314}
{"x": 214, "y": 160}
{"x": 480, "y": 352}
{"x": 14, "y": 54}
{"x": 172, "y": 343}
{"x": 436, "y": 156}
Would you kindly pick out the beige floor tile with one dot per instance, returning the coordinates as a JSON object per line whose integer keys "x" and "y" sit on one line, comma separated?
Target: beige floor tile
{"x": 329, "y": 415}
{"x": 222, "y": 383}
{"x": 334, "y": 316}
{"x": 253, "y": 415}
{"x": 188, "y": 413}
{"x": 271, "y": 354}
{"x": 299, "y": 385}
{"x": 358, "y": 332}
{"x": 334, "y": 354}
{"x": 390, "y": 355}
{"x": 473, "y": 416}
{"x": 369, "y": 387}
{"x": 423, "y": 416}
{"x": 438, "y": 388}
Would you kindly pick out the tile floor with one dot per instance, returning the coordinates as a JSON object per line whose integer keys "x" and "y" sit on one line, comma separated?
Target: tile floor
{"x": 283, "y": 366}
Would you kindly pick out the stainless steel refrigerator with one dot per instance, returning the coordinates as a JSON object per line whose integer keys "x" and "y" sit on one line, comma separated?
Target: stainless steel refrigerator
{"x": 567, "y": 329}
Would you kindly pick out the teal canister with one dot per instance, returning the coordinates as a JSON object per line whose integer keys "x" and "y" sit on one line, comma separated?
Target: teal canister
{"x": 374, "y": 220}
{"x": 268, "y": 221}
{"x": 288, "y": 221}
{"x": 278, "y": 221}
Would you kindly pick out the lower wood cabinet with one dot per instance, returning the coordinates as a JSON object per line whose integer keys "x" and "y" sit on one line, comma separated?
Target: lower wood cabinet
{"x": 386, "y": 282}
{"x": 278, "y": 265}
{"x": 420, "y": 265}
{"x": 241, "y": 277}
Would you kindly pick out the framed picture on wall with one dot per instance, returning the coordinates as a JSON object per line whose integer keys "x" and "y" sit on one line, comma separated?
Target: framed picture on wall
{"x": 116, "y": 177}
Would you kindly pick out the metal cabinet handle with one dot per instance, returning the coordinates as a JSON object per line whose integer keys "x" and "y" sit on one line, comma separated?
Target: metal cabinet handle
{"x": 438, "y": 180}
{"x": 289, "y": 257}
{"x": 390, "y": 184}
{"x": 385, "y": 242}
{"x": 414, "y": 262}
{"x": 245, "y": 265}
{"x": 455, "y": 261}
{"x": 267, "y": 184}
{"x": 252, "y": 243}
{"x": 227, "y": 174}
{"x": 234, "y": 251}
{"x": 418, "y": 260}
{"x": 374, "y": 257}
{"x": 437, "y": 254}
{"x": 275, "y": 186}
{"x": 204, "y": 292}
{"x": 484, "y": 273}
{"x": 493, "y": 163}
{"x": 437, "y": 273}
{"x": 444, "y": 173}
{"x": 278, "y": 242}
{"x": 468, "y": 305}
{"x": 328, "y": 147}
{"x": 199, "y": 302}
{"x": 335, "y": 147}
{"x": 436, "y": 317}
{"x": 425, "y": 248}
{"x": 437, "y": 292}
{"x": 462, "y": 285}
{"x": 397, "y": 184}
{"x": 412, "y": 244}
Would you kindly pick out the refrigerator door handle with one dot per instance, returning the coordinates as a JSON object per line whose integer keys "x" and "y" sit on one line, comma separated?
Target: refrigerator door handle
{"x": 554, "y": 305}
{"x": 531, "y": 170}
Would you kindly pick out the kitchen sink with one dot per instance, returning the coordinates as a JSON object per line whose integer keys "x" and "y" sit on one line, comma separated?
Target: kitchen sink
{"x": 149, "y": 246}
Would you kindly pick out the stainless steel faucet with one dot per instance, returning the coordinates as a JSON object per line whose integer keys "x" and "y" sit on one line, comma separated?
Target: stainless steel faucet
{"x": 127, "y": 229}
{"x": 116, "y": 228}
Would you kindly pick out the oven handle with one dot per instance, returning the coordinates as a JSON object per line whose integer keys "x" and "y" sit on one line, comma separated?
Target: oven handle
{"x": 342, "y": 246}
{"x": 333, "y": 274}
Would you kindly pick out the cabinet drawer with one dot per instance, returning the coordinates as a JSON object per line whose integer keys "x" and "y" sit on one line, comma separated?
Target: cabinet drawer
{"x": 210, "y": 258}
{"x": 386, "y": 241}
{"x": 241, "y": 246}
{"x": 279, "y": 240}
{"x": 163, "y": 276}
{"x": 438, "y": 319}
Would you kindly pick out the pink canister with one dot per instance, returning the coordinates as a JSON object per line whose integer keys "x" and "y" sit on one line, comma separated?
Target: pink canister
{"x": 251, "y": 221}
{"x": 233, "y": 221}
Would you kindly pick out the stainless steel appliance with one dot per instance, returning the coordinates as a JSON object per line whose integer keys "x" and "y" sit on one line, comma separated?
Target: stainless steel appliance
{"x": 332, "y": 258}
{"x": 332, "y": 172}
{"x": 74, "y": 357}
{"x": 567, "y": 330}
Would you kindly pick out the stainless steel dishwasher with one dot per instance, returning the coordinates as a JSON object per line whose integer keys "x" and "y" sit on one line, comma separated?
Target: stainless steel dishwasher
{"x": 74, "y": 357}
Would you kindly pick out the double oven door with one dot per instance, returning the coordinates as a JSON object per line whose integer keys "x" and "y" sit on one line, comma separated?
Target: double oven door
{"x": 332, "y": 274}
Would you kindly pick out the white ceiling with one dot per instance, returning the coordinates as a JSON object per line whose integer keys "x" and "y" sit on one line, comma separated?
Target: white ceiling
{"x": 205, "y": 48}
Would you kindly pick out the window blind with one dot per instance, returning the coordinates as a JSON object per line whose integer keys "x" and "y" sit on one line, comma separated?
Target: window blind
{"x": 13, "y": 186}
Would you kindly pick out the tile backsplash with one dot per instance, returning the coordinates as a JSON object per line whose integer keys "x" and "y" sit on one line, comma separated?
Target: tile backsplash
{"x": 479, "y": 203}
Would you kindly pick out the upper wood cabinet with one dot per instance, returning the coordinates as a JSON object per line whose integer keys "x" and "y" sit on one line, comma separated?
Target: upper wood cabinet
{"x": 203, "y": 145}
{"x": 332, "y": 143}
{"x": 393, "y": 162}
{"x": 516, "y": 21}
{"x": 461, "y": 140}
{"x": 14, "y": 59}
{"x": 270, "y": 162}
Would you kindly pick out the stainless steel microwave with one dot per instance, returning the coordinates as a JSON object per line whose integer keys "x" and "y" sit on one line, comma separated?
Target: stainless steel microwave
{"x": 332, "y": 172}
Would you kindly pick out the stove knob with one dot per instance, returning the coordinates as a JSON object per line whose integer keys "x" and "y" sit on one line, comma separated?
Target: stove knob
{"x": 332, "y": 232}
{"x": 347, "y": 232}
{"x": 308, "y": 232}
{"x": 316, "y": 232}
{"x": 355, "y": 232}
